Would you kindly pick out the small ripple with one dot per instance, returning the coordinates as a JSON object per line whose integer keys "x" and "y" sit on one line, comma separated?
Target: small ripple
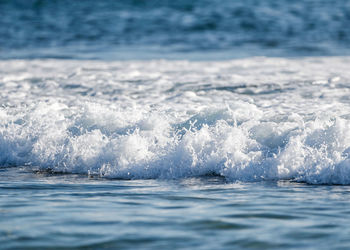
{"x": 189, "y": 198}
{"x": 172, "y": 207}
{"x": 306, "y": 235}
{"x": 236, "y": 205}
{"x": 215, "y": 225}
{"x": 324, "y": 226}
{"x": 132, "y": 242}
{"x": 263, "y": 216}
{"x": 256, "y": 244}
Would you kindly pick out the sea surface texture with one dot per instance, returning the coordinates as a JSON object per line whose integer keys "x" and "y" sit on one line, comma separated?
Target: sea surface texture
{"x": 175, "y": 124}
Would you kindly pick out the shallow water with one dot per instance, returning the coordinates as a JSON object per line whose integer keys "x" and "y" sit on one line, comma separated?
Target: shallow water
{"x": 73, "y": 211}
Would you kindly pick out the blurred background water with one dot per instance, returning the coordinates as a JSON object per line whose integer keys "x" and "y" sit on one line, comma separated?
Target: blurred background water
{"x": 155, "y": 28}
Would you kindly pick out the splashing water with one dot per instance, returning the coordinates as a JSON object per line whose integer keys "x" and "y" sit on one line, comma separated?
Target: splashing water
{"x": 248, "y": 119}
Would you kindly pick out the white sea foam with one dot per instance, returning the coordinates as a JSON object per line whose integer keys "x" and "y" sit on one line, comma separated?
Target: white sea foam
{"x": 248, "y": 119}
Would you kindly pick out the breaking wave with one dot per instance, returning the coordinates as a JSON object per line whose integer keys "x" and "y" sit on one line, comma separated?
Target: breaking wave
{"x": 247, "y": 120}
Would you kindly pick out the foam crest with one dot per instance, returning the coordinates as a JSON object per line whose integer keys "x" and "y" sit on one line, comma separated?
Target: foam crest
{"x": 154, "y": 127}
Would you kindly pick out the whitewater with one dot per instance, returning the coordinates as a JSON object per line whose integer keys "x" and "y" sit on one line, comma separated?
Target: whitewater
{"x": 247, "y": 120}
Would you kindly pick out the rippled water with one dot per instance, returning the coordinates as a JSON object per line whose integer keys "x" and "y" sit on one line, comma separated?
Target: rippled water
{"x": 69, "y": 211}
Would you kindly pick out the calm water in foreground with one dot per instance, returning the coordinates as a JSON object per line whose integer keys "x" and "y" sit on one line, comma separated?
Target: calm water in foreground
{"x": 74, "y": 211}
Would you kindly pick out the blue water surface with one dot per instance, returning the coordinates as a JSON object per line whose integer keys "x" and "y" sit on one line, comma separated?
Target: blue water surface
{"x": 51, "y": 211}
{"x": 41, "y": 209}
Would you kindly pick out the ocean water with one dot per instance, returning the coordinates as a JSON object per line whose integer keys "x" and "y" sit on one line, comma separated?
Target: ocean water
{"x": 174, "y": 124}
{"x": 177, "y": 29}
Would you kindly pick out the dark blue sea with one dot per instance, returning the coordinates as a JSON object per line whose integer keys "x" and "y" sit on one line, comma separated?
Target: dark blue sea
{"x": 174, "y": 124}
